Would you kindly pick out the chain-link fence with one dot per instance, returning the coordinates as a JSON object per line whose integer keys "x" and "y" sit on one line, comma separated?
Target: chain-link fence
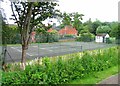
{"x": 47, "y": 38}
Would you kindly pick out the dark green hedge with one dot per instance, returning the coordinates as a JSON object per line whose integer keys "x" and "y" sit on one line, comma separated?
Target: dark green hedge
{"x": 86, "y": 37}
{"x": 47, "y": 37}
{"x": 63, "y": 71}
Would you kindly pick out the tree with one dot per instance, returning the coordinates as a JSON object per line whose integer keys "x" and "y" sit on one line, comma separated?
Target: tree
{"x": 95, "y": 25}
{"x": 73, "y": 19}
{"x": 28, "y": 15}
{"x": 10, "y": 33}
{"x": 77, "y": 21}
{"x": 88, "y": 25}
{"x": 85, "y": 36}
{"x": 114, "y": 29}
{"x": 103, "y": 29}
{"x": 92, "y": 26}
{"x": 66, "y": 19}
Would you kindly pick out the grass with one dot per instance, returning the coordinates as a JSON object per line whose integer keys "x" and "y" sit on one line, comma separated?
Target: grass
{"x": 96, "y": 77}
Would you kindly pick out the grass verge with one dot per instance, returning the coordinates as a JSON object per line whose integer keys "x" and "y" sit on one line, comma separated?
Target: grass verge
{"x": 96, "y": 77}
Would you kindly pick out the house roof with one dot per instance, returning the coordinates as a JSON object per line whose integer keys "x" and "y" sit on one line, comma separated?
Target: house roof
{"x": 68, "y": 30}
{"x": 50, "y": 30}
{"x": 101, "y": 34}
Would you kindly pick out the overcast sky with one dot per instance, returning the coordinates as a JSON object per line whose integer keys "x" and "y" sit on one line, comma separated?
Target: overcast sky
{"x": 103, "y": 10}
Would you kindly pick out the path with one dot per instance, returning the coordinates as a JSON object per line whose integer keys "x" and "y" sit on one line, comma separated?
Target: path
{"x": 114, "y": 79}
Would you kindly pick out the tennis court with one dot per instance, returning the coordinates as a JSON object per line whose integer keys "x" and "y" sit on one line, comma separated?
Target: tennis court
{"x": 51, "y": 49}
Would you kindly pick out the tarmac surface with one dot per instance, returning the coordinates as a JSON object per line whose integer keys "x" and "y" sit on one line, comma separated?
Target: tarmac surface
{"x": 112, "y": 80}
{"x": 50, "y": 49}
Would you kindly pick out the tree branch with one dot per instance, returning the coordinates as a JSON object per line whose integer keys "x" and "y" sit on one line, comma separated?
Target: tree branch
{"x": 14, "y": 15}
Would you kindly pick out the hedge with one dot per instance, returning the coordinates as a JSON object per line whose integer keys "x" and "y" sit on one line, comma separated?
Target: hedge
{"x": 86, "y": 37}
{"x": 63, "y": 69}
{"x": 47, "y": 37}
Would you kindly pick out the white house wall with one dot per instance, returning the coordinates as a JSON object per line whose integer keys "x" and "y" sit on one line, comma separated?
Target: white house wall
{"x": 107, "y": 36}
{"x": 99, "y": 39}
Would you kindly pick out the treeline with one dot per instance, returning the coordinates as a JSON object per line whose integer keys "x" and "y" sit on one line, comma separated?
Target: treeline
{"x": 86, "y": 30}
{"x": 10, "y": 34}
{"x": 89, "y": 29}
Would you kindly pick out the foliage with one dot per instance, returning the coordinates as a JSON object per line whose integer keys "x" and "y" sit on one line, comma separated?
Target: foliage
{"x": 118, "y": 34}
{"x": 10, "y": 34}
{"x": 28, "y": 15}
{"x": 88, "y": 25}
{"x": 66, "y": 19}
{"x": 114, "y": 29}
{"x": 46, "y": 37}
{"x": 85, "y": 36}
{"x": 103, "y": 29}
{"x": 84, "y": 31}
{"x": 77, "y": 21}
{"x": 69, "y": 36}
{"x": 112, "y": 39}
{"x": 63, "y": 69}
{"x": 73, "y": 19}
{"x": 108, "y": 40}
{"x": 95, "y": 25}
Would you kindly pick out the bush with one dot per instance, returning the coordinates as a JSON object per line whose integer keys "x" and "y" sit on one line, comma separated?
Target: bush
{"x": 47, "y": 37}
{"x": 16, "y": 39}
{"x": 117, "y": 40}
{"x": 86, "y": 37}
{"x": 108, "y": 40}
{"x": 63, "y": 70}
{"x": 69, "y": 36}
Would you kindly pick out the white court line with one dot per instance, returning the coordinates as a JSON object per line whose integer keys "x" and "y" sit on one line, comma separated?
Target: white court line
{"x": 54, "y": 47}
{"x": 34, "y": 46}
{"x": 49, "y": 48}
{"x": 16, "y": 49}
{"x": 42, "y": 48}
{"x": 21, "y": 51}
{"x": 46, "y": 49}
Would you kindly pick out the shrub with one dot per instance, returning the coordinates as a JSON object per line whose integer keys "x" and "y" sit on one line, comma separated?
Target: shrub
{"x": 47, "y": 37}
{"x": 69, "y": 36}
{"x": 108, "y": 40}
{"x": 86, "y": 37}
{"x": 64, "y": 70}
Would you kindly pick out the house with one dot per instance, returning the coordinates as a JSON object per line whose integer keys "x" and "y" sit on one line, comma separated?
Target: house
{"x": 68, "y": 30}
{"x": 50, "y": 30}
{"x": 101, "y": 38}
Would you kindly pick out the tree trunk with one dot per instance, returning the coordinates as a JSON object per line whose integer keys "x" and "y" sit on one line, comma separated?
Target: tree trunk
{"x": 23, "y": 60}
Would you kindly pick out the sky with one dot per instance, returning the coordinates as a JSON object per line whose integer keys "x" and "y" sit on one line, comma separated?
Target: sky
{"x": 103, "y": 10}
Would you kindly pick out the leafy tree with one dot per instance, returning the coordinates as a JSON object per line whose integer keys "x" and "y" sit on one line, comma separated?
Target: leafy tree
{"x": 73, "y": 19}
{"x": 114, "y": 29}
{"x": 88, "y": 25}
{"x": 84, "y": 31}
{"x": 92, "y": 26}
{"x": 28, "y": 15}
{"x": 95, "y": 25}
{"x": 77, "y": 21}
{"x": 10, "y": 33}
{"x": 103, "y": 29}
{"x": 66, "y": 19}
{"x": 105, "y": 23}
{"x": 85, "y": 36}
